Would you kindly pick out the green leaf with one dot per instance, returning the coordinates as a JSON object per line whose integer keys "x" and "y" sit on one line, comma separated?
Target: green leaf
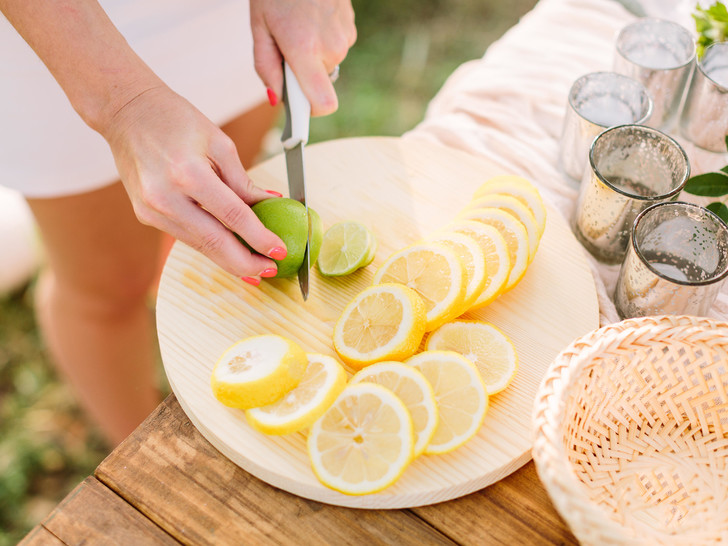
{"x": 725, "y": 169}
{"x": 708, "y": 184}
{"x": 720, "y": 209}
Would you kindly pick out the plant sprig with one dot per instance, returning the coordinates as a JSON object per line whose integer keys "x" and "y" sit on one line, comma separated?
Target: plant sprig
{"x": 711, "y": 184}
{"x": 711, "y": 25}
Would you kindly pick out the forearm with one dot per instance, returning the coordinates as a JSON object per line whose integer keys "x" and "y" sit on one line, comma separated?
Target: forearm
{"x": 86, "y": 54}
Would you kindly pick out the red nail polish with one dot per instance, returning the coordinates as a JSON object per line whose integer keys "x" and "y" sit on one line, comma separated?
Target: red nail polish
{"x": 278, "y": 253}
{"x": 273, "y": 192}
{"x": 272, "y": 97}
{"x": 251, "y": 280}
{"x": 270, "y": 272}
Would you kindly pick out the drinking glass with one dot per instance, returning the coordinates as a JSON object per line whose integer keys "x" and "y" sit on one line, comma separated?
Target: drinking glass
{"x": 704, "y": 119}
{"x": 597, "y": 101}
{"x": 631, "y": 168}
{"x": 676, "y": 263}
{"x": 659, "y": 54}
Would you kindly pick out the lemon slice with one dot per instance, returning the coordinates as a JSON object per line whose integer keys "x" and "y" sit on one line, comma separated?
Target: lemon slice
{"x": 513, "y": 232}
{"x": 364, "y": 442}
{"x": 413, "y": 389}
{"x": 344, "y": 249}
{"x": 322, "y": 382}
{"x": 382, "y": 322}
{"x": 257, "y": 371}
{"x": 435, "y": 272}
{"x": 462, "y": 399}
{"x": 520, "y": 188}
{"x": 497, "y": 261}
{"x": 473, "y": 259}
{"x": 510, "y": 204}
{"x": 482, "y": 343}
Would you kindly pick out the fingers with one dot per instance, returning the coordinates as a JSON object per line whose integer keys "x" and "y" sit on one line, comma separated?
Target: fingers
{"x": 313, "y": 37}
{"x": 204, "y": 232}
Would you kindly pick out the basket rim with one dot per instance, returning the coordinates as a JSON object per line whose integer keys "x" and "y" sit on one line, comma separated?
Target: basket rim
{"x": 549, "y": 453}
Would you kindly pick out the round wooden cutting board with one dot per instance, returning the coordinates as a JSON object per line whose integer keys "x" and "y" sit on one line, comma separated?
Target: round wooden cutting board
{"x": 403, "y": 189}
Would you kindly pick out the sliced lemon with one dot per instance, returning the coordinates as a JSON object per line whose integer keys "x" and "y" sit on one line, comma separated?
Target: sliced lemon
{"x": 344, "y": 249}
{"x": 482, "y": 343}
{"x": 364, "y": 442}
{"x": 462, "y": 399}
{"x": 413, "y": 389}
{"x": 473, "y": 259}
{"x": 513, "y": 232}
{"x": 382, "y": 322}
{"x": 520, "y": 188}
{"x": 257, "y": 371}
{"x": 497, "y": 260}
{"x": 510, "y": 204}
{"x": 322, "y": 382}
{"x": 435, "y": 272}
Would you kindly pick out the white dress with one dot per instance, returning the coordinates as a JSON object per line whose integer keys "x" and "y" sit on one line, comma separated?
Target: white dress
{"x": 201, "y": 48}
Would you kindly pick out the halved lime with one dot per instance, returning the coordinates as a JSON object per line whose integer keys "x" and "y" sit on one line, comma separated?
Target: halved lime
{"x": 345, "y": 248}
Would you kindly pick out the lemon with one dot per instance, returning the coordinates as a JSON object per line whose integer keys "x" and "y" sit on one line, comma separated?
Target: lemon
{"x": 364, "y": 442}
{"x": 520, "y": 188}
{"x": 413, "y": 389}
{"x": 510, "y": 204}
{"x": 287, "y": 218}
{"x": 382, "y": 322}
{"x": 258, "y": 370}
{"x": 482, "y": 343}
{"x": 462, "y": 400}
{"x": 346, "y": 246}
{"x": 435, "y": 272}
{"x": 322, "y": 382}
{"x": 473, "y": 259}
{"x": 514, "y": 234}
{"x": 497, "y": 260}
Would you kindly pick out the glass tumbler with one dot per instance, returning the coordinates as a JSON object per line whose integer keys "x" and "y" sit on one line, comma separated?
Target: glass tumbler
{"x": 676, "y": 263}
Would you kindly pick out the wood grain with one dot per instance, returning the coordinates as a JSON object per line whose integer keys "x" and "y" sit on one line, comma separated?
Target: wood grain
{"x": 170, "y": 473}
{"x": 93, "y": 514}
{"x": 403, "y": 190}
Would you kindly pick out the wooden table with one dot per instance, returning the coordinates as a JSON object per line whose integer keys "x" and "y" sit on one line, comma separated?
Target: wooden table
{"x": 166, "y": 484}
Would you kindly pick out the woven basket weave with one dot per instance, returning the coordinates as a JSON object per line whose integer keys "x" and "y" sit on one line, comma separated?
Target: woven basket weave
{"x": 631, "y": 432}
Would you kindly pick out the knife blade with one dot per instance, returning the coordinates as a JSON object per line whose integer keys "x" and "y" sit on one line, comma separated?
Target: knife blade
{"x": 294, "y": 138}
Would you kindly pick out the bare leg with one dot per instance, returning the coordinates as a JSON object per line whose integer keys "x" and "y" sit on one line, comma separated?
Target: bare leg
{"x": 94, "y": 305}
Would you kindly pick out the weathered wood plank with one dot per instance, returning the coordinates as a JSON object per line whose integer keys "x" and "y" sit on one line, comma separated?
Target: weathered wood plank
{"x": 93, "y": 514}
{"x": 40, "y": 536}
{"x": 515, "y": 510}
{"x": 169, "y": 472}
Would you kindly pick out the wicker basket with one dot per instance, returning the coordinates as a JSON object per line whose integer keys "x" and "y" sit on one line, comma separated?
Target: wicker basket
{"x": 631, "y": 432}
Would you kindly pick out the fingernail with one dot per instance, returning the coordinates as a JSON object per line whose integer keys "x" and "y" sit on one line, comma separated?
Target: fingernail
{"x": 270, "y": 272}
{"x": 272, "y": 97}
{"x": 273, "y": 192}
{"x": 278, "y": 253}
{"x": 251, "y": 280}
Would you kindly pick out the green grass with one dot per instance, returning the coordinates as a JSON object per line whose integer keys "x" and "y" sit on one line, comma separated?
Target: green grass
{"x": 404, "y": 52}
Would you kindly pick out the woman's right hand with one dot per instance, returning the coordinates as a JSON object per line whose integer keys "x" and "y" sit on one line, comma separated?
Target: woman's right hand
{"x": 313, "y": 36}
{"x": 183, "y": 176}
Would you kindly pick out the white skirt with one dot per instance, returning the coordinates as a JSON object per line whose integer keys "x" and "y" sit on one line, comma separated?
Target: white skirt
{"x": 201, "y": 48}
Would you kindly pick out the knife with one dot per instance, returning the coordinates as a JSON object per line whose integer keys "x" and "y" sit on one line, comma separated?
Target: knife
{"x": 295, "y": 137}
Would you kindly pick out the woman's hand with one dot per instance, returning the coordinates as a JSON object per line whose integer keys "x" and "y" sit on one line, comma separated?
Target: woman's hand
{"x": 313, "y": 36}
{"x": 184, "y": 176}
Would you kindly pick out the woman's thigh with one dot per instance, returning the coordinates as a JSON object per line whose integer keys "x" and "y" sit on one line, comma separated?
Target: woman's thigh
{"x": 96, "y": 247}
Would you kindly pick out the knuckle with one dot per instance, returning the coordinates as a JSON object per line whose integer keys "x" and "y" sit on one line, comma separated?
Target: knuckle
{"x": 209, "y": 244}
{"x": 234, "y": 216}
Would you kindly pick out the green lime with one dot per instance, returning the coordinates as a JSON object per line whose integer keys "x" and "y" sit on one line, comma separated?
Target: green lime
{"x": 287, "y": 218}
{"x": 345, "y": 247}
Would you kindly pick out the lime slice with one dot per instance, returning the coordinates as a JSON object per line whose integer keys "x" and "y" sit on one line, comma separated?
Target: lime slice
{"x": 344, "y": 249}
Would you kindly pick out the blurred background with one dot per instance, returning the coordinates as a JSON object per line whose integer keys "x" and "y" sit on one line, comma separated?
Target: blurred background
{"x": 405, "y": 51}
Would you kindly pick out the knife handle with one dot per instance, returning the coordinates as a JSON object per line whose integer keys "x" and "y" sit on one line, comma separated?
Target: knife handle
{"x": 299, "y": 108}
